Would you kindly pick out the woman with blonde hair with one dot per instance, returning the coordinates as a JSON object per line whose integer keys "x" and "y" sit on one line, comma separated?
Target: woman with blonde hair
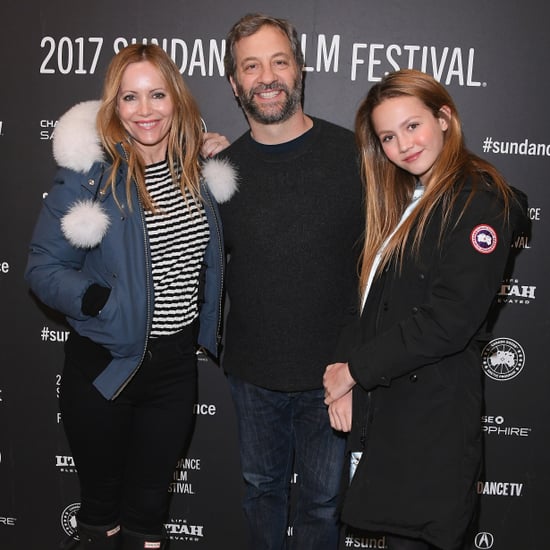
{"x": 439, "y": 227}
{"x": 128, "y": 247}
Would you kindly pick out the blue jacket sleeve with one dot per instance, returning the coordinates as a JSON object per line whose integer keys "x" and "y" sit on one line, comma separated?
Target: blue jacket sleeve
{"x": 53, "y": 268}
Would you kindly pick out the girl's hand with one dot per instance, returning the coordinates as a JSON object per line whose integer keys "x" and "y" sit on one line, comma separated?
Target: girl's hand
{"x": 340, "y": 413}
{"x": 337, "y": 381}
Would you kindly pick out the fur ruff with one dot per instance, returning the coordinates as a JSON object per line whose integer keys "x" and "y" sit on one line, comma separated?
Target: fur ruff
{"x": 221, "y": 178}
{"x": 76, "y": 143}
{"x": 85, "y": 224}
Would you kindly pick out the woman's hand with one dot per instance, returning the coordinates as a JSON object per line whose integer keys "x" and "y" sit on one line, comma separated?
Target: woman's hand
{"x": 339, "y": 413}
{"x": 337, "y": 381}
{"x": 212, "y": 144}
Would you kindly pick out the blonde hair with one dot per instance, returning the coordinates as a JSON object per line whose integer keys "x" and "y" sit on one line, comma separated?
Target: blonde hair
{"x": 185, "y": 135}
{"x": 389, "y": 189}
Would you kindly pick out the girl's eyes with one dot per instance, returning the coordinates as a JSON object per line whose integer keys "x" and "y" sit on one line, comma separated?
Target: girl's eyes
{"x": 389, "y": 137}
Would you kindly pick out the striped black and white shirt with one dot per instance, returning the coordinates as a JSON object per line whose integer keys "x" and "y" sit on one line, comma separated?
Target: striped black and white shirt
{"x": 178, "y": 235}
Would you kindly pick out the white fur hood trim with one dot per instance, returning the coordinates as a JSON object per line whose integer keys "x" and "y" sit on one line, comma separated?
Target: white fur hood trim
{"x": 76, "y": 143}
{"x": 221, "y": 178}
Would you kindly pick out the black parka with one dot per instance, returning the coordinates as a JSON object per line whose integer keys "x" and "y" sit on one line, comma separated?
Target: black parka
{"x": 415, "y": 355}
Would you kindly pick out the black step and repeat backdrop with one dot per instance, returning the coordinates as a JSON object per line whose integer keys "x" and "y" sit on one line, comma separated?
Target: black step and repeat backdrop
{"x": 492, "y": 55}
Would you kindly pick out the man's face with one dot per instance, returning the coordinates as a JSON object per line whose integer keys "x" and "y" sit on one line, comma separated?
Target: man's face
{"x": 267, "y": 80}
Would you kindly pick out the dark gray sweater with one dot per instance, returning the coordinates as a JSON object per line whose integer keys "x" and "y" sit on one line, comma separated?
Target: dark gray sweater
{"x": 292, "y": 231}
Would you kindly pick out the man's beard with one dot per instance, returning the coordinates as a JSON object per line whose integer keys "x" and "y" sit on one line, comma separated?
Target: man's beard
{"x": 277, "y": 112}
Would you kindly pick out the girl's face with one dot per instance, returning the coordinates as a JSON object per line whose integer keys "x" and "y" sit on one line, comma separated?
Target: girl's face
{"x": 146, "y": 109}
{"x": 411, "y": 137}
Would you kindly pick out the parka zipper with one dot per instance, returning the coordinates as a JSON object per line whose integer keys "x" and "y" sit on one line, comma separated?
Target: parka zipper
{"x": 148, "y": 297}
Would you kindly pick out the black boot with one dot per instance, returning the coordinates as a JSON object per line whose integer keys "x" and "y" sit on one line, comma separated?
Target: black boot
{"x": 138, "y": 541}
{"x": 98, "y": 537}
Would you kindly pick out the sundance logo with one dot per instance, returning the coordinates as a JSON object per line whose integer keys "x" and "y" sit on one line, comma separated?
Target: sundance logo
{"x": 365, "y": 542}
{"x": 499, "y": 488}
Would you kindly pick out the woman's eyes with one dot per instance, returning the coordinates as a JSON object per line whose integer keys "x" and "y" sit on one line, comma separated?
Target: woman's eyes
{"x": 132, "y": 97}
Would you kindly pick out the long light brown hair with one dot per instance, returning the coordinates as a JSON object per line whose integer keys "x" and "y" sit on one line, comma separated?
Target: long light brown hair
{"x": 389, "y": 189}
{"x": 185, "y": 135}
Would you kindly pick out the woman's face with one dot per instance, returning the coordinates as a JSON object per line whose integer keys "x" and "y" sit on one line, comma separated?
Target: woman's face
{"x": 411, "y": 137}
{"x": 146, "y": 109}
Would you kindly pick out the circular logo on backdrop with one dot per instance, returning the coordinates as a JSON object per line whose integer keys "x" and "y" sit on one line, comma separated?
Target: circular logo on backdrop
{"x": 484, "y": 238}
{"x": 68, "y": 519}
{"x": 502, "y": 359}
{"x": 484, "y": 540}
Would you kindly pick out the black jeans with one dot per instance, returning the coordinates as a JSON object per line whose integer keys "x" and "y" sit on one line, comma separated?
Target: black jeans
{"x": 125, "y": 450}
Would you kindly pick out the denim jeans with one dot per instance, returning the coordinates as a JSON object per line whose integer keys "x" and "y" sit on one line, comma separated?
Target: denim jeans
{"x": 280, "y": 431}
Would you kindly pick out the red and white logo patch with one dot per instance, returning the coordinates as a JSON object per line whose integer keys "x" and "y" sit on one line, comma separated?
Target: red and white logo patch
{"x": 484, "y": 238}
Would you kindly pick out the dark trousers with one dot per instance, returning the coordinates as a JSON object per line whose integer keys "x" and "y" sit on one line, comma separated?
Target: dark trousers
{"x": 279, "y": 431}
{"x": 125, "y": 450}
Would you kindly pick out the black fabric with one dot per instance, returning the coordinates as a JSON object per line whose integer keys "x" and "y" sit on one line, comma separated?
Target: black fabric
{"x": 292, "y": 231}
{"x": 86, "y": 355}
{"x": 402, "y": 543}
{"x": 418, "y": 360}
{"x": 99, "y": 537}
{"x": 125, "y": 450}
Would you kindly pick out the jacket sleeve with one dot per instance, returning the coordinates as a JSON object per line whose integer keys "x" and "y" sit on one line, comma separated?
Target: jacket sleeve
{"x": 464, "y": 282}
{"x": 53, "y": 268}
{"x": 211, "y": 284}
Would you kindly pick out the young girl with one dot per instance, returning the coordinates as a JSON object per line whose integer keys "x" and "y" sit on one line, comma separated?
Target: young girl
{"x": 438, "y": 233}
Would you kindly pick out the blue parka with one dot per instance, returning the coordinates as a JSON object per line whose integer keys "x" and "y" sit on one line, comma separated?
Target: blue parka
{"x": 65, "y": 259}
